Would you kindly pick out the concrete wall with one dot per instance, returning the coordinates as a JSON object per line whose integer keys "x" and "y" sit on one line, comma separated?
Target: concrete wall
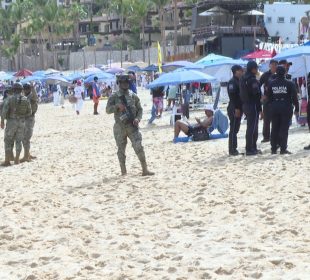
{"x": 103, "y": 57}
{"x": 75, "y": 60}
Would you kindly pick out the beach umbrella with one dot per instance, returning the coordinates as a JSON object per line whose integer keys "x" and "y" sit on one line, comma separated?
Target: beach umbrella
{"x": 216, "y": 10}
{"x": 151, "y": 68}
{"x": 260, "y": 54}
{"x": 221, "y": 69}
{"x": 101, "y": 77}
{"x": 5, "y": 76}
{"x": 134, "y": 68}
{"x": 73, "y": 76}
{"x": 211, "y": 58}
{"x": 181, "y": 77}
{"x": 115, "y": 70}
{"x": 33, "y": 78}
{"x": 253, "y": 13}
{"x": 178, "y": 64}
{"x": 300, "y": 58}
{"x": 23, "y": 73}
{"x": 56, "y": 79}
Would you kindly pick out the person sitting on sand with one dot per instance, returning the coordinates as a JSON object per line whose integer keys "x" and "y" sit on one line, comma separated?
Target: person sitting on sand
{"x": 189, "y": 129}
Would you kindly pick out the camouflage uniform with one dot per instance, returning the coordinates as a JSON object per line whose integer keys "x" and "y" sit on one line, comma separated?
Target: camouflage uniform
{"x": 15, "y": 109}
{"x": 122, "y": 129}
{"x": 29, "y": 122}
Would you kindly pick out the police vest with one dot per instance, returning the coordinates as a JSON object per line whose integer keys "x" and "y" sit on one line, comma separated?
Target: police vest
{"x": 281, "y": 91}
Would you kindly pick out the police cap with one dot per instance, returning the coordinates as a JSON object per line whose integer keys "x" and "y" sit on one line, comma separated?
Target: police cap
{"x": 281, "y": 70}
{"x": 251, "y": 65}
{"x": 236, "y": 68}
{"x": 284, "y": 62}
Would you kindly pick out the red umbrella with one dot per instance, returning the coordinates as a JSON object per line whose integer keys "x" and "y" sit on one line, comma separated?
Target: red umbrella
{"x": 23, "y": 73}
{"x": 260, "y": 54}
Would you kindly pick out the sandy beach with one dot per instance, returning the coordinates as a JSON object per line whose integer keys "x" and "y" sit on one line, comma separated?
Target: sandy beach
{"x": 204, "y": 215}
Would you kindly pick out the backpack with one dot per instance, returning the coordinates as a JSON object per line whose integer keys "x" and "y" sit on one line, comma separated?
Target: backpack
{"x": 200, "y": 134}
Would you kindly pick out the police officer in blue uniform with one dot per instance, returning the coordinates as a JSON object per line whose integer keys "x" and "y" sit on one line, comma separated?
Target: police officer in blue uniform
{"x": 250, "y": 94}
{"x": 282, "y": 94}
{"x": 264, "y": 81}
{"x": 234, "y": 108}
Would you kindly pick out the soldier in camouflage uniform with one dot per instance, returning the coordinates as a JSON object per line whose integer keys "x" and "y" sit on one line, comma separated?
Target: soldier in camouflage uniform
{"x": 7, "y": 92}
{"x": 31, "y": 94}
{"x": 127, "y": 114}
{"x": 15, "y": 109}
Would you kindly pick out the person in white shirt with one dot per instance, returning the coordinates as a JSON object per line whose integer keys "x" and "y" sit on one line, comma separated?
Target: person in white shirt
{"x": 79, "y": 95}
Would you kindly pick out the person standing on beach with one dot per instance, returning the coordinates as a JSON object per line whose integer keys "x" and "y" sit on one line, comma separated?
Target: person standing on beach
{"x": 79, "y": 95}
{"x": 282, "y": 94}
{"x": 250, "y": 94}
{"x": 127, "y": 111}
{"x": 96, "y": 95}
{"x": 31, "y": 94}
{"x": 15, "y": 109}
{"x": 234, "y": 109}
{"x": 264, "y": 81}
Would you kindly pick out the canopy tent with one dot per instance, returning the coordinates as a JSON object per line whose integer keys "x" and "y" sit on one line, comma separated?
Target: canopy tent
{"x": 300, "y": 57}
{"x": 260, "y": 54}
{"x": 211, "y": 58}
{"x": 181, "y": 77}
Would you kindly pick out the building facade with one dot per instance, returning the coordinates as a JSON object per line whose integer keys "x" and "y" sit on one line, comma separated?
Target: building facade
{"x": 283, "y": 21}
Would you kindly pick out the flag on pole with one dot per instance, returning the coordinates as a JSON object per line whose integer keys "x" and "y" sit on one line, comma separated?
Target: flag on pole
{"x": 159, "y": 61}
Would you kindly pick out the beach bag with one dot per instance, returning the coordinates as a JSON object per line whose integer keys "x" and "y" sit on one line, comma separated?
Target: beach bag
{"x": 72, "y": 99}
{"x": 200, "y": 134}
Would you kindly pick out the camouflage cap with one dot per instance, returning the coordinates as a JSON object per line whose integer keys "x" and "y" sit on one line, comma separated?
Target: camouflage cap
{"x": 123, "y": 78}
{"x": 27, "y": 86}
{"x": 17, "y": 86}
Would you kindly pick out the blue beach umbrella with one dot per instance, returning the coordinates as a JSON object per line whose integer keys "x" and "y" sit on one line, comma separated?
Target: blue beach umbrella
{"x": 101, "y": 77}
{"x": 300, "y": 57}
{"x": 212, "y": 58}
{"x": 222, "y": 69}
{"x": 181, "y": 77}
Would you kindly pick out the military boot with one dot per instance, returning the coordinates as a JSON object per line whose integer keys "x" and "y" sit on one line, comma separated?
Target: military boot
{"x": 145, "y": 171}
{"x": 26, "y": 156}
{"x": 31, "y": 156}
{"x": 6, "y": 161}
{"x": 17, "y": 161}
{"x": 123, "y": 168}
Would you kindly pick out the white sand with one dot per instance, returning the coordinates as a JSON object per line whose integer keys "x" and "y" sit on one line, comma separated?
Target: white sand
{"x": 204, "y": 215}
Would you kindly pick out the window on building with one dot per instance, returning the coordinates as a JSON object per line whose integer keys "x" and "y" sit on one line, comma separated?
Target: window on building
{"x": 292, "y": 20}
{"x": 269, "y": 19}
{"x": 280, "y": 19}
